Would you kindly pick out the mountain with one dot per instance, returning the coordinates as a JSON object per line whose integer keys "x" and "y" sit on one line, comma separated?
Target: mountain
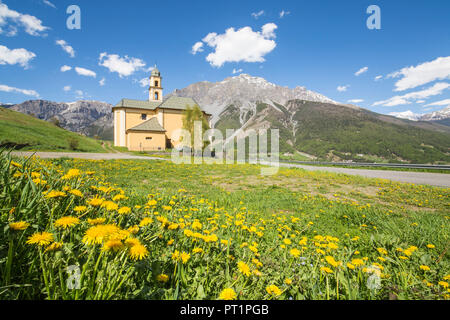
{"x": 441, "y": 116}
{"x": 243, "y": 92}
{"x": 315, "y": 125}
{"x": 24, "y": 132}
{"x": 407, "y": 115}
{"x": 437, "y": 115}
{"x": 91, "y": 118}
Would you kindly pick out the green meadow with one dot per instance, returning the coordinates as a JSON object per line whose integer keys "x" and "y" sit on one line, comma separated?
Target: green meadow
{"x": 141, "y": 229}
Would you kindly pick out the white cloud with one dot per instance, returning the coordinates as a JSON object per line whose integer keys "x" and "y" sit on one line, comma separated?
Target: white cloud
{"x": 197, "y": 47}
{"x": 85, "y": 72}
{"x": 420, "y": 101}
{"x": 15, "y": 56}
{"x": 32, "y": 25}
{"x": 123, "y": 66}
{"x": 342, "y": 88}
{"x": 361, "y": 71}
{"x": 240, "y": 45}
{"x": 378, "y": 78}
{"x": 414, "y": 76}
{"x": 145, "y": 82}
{"x": 6, "y": 88}
{"x": 445, "y": 102}
{"x": 284, "y": 13}
{"x": 268, "y": 30}
{"x": 355, "y": 101}
{"x": 65, "y": 46}
{"x": 67, "y": 88}
{"x": 236, "y": 71}
{"x": 102, "y": 82}
{"x": 65, "y": 68}
{"x": 256, "y": 15}
{"x": 49, "y": 4}
{"x": 436, "y": 89}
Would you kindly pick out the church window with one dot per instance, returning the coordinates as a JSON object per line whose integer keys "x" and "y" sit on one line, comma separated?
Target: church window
{"x": 156, "y": 95}
{"x": 156, "y": 83}
{"x": 143, "y": 116}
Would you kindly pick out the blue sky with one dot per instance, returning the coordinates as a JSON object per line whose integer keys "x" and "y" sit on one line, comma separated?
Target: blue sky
{"x": 317, "y": 44}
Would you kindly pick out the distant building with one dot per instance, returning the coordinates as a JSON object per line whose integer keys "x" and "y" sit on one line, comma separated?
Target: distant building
{"x": 148, "y": 125}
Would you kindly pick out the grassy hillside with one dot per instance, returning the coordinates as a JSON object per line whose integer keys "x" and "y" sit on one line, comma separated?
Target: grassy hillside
{"x": 334, "y": 132}
{"x": 155, "y": 230}
{"x": 325, "y": 128}
{"x": 25, "y": 132}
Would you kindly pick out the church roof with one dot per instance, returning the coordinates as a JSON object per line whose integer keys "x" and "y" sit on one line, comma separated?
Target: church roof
{"x": 179, "y": 103}
{"x": 155, "y": 72}
{"x": 150, "y": 125}
{"x": 138, "y": 104}
{"x": 173, "y": 102}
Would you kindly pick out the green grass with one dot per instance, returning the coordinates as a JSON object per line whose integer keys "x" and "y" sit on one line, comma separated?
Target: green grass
{"x": 27, "y": 133}
{"x": 322, "y": 214}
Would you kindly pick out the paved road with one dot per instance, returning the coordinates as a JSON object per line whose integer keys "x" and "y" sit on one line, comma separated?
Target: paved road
{"x": 435, "y": 179}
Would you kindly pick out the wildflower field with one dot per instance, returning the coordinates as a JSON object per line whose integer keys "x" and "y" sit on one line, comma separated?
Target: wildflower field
{"x": 127, "y": 229}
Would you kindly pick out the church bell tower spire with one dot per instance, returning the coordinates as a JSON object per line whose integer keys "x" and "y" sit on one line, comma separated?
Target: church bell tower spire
{"x": 155, "y": 90}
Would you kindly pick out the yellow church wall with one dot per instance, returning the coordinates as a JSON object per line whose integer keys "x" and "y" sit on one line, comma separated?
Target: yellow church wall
{"x": 137, "y": 141}
{"x": 173, "y": 120}
{"x": 133, "y": 117}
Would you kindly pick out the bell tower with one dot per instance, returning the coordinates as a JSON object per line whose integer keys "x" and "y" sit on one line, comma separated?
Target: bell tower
{"x": 155, "y": 92}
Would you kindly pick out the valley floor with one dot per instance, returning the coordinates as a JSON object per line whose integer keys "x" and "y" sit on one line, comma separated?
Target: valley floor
{"x": 425, "y": 178}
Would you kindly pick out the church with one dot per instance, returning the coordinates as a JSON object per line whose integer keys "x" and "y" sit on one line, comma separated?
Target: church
{"x": 148, "y": 125}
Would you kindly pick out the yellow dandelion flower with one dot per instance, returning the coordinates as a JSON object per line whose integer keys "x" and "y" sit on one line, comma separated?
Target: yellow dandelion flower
{"x": 123, "y": 210}
{"x": 138, "y": 252}
{"x": 20, "y": 225}
{"x": 113, "y": 245}
{"x": 55, "y": 194}
{"x": 295, "y": 252}
{"x": 185, "y": 257}
{"x": 350, "y": 266}
{"x": 443, "y": 284}
{"x": 273, "y": 290}
{"x": 80, "y": 209}
{"x": 119, "y": 197}
{"x": 197, "y": 250}
{"x": 66, "y": 222}
{"x": 288, "y": 281}
{"x": 244, "y": 268}
{"x": 227, "y": 294}
{"x": 96, "y": 221}
{"x": 72, "y": 173}
{"x": 176, "y": 255}
{"x": 287, "y": 241}
{"x": 54, "y": 246}
{"x": 95, "y": 202}
{"x": 132, "y": 242}
{"x": 76, "y": 192}
{"x": 15, "y": 164}
{"x": 332, "y": 262}
{"x": 110, "y": 205}
{"x": 357, "y": 262}
{"x": 146, "y": 221}
{"x": 424, "y": 268}
{"x": 99, "y": 233}
{"x": 431, "y": 246}
{"x": 170, "y": 242}
{"x": 41, "y": 238}
{"x": 162, "y": 277}
{"x": 326, "y": 270}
